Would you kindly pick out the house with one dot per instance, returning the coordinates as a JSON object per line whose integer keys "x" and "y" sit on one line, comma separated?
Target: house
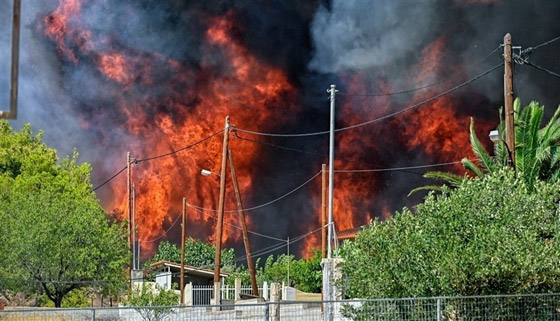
{"x": 169, "y": 273}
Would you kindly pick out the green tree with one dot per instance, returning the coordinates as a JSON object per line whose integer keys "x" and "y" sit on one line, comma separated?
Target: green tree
{"x": 491, "y": 235}
{"x": 197, "y": 253}
{"x": 305, "y": 273}
{"x": 54, "y": 235}
{"x": 153, "y": 304}
{"x": 537, "y": 150}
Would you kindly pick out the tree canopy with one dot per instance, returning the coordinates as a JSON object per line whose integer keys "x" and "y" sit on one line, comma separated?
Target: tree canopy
{"x": 54, "y": 235}
{"x": 490, "y": 235}
{"x": 197, "y": 253}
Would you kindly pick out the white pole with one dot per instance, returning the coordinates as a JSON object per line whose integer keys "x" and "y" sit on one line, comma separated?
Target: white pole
{"x": 333, "y": 91}
{"x": 288, "y": 241}
{"x": 133, "y": 227}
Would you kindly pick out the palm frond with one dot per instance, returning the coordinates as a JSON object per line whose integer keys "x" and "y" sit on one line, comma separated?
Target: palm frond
{"x": 449, "y": 178}
{"x": 468, "y": 164}
{"x": 479, "y": 150}
{"x": 435, "y": 188}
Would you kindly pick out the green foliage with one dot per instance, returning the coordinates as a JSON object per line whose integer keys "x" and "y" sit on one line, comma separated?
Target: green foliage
{"x": 491, "y": 235}
{"x": 305, "y": 274}
{"x": 75, "y": 299}
{"x": 145, "y": 296}
{"x": 536, "y": 149}
{"x": 53, "y": 229}
{"x": 197, "y": 253}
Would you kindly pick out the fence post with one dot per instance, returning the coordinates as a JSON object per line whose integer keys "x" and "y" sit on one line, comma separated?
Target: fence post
{"x": 92, "y": 314}
{"x": 266, "y": 312}
{"x": 438, "y": 309}
{"x": 265, "y": 290}
{"x": 237, "y": 289}
{"x": 275, "y": 297}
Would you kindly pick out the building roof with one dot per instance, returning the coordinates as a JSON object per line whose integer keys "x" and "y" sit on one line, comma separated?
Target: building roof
{"x": 349, "y": 234}
{"x": 189, "y": 269}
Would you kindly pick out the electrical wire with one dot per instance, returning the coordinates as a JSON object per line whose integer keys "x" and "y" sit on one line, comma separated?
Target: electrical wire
{"x": 164, "y": 233}
{"x": 542, "y": 69}
{"x": 262, "y": 205}
{"x": 530, "y": 49}
{"x": 156, "y": 157}
{"x": 180, "y": 149}
{"x": 425, "y": 86}
{"x": 395, "y": 168}
{"x": 379, "y": 118}
{"x": 109, "y": 179}
{"x": 238, "y": 227}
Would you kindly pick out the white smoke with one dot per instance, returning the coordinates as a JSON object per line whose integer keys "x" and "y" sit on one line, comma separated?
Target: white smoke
{"x": 357, "y": 34}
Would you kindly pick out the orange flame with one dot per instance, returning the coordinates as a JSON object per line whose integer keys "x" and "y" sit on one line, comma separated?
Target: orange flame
{"x": 251, "y": 92}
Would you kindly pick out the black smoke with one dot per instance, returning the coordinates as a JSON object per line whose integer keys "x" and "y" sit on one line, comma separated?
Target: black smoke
{"x": 316, "y": 43}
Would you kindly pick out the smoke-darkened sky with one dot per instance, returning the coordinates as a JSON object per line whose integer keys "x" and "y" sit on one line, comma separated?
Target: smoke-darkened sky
{"x": 177, "y": 63}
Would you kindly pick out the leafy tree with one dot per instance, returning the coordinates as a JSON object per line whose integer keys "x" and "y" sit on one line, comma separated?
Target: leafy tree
{"x": 305, "y": 273}
{"x": 491, "y": 235}
{"x": 197, "y": 253}
{"x": 153, "y": 304}
{"x": 537, "y": 150}
{"x": 54, "y": 234}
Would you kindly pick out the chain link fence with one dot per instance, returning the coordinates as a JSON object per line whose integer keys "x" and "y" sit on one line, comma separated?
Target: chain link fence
{"x": 534, "y": 307}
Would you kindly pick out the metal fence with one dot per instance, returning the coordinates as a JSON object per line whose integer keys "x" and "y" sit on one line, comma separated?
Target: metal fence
{"x": 202, "y": 294}
{"x": 535, "y": 307}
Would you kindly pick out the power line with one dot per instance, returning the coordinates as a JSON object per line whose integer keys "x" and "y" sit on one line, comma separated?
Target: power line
{"x": 180, "y": 149}
{"x": 164, "y": 233}
{"x": 530, "y": 49}
{"x": 542, "y": 69}
{"x": 262, "y": 205}
{"x": 379, "y": 118}
{"x": 422, "y": 102}
{"x": 109, "y": 179}
{"x": 158, "y": 156}
{"x": 425, "y": 86}
{"x": 238, "y": 227}
{"x": 395, "y": 168}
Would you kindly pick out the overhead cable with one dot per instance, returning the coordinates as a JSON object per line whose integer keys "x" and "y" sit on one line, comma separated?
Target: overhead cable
{"x": 180, "y": 149}
{"x": 379, "y": 118}
{"x": 425, "y": 86}
{"x": 262, "y": 205}
{"x": 389, "y": 169}
{"x": 156, "y": 157}
{"x": 542, "y": 69}
{"x": 236, "y": 226}
{"x": 109, "y": 179}
{"x": 164, "y": 233}
{"x": 530, "y": 49}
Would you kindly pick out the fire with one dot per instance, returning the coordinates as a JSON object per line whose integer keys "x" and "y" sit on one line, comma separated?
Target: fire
{"x": 116, "y": 67}
{"x": 160, "y": 104}
{"x": 194, "y": 104}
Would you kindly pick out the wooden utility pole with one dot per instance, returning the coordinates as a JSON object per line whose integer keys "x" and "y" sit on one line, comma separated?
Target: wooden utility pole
{"x": 250, "y": 264}
{"x": 323, "y": 210}
{"x": 508, "y": 99}
{"x": 129, "y": 213}
{"x": 219, "y": 224}
{"x": 183, "y": 229}
{"x": 16, "y": 22}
